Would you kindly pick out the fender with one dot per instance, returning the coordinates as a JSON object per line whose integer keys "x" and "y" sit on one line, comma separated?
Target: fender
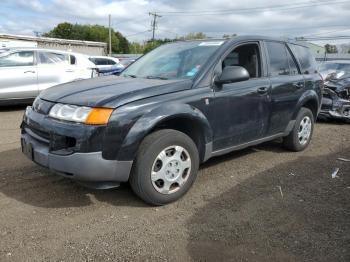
{"x": 146, "y": 123}
{"x": 306, "y": 97}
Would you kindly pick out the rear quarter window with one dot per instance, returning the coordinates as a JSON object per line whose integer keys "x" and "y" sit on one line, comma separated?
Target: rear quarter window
{"x": 306, "y": 60}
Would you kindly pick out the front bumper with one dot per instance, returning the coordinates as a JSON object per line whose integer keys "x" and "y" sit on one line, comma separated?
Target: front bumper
{"x": 82, "y": 166}
{"x": 335, "y": 108}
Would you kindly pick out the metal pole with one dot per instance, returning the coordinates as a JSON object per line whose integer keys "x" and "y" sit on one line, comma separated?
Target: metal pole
{"x": 154, "y": 24}
{"x": 110, "y": 35}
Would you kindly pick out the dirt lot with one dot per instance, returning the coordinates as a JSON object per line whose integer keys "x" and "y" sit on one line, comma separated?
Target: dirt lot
{"x": 259, "y": 204}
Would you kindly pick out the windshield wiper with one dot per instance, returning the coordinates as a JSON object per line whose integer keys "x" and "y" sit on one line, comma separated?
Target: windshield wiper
{"x": 132, "y": 76}
{"x": 157, "y": 77}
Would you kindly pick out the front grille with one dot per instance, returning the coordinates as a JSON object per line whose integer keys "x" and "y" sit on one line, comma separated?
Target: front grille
{"x": 42, "y": 134}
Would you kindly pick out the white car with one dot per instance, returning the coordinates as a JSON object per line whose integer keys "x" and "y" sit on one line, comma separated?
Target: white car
{"x": 24, "y": 72}
{"x": 107, "y": 65}
{"x": 105, "y": 61}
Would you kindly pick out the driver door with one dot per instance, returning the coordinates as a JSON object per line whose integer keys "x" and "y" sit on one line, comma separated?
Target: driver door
{"x": 240, "y": 111}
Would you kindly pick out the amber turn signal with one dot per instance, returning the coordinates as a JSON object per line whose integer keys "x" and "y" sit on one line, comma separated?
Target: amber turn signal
{"x": 98, "y": 116}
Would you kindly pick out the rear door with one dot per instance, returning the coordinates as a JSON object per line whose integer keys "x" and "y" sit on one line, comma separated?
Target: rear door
{"x": 287, "y": 85}
{"x": 18, "y": 75}
{"x": 54, "y": 68}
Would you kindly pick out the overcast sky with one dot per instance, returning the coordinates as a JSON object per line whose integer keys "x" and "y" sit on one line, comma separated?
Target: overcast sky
{"x": 179, "y": 17}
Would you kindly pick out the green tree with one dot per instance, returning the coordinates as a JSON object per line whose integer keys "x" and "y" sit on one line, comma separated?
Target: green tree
{"x": 331, "y": 49}
{"x": 193, "y": 36}
{"x": 90, "y": 33}
{"x": 63, "y": 30}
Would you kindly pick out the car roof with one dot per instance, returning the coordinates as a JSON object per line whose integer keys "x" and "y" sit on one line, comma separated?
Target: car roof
{"x": 13, "y": 49}
{"x": 248, "y": 38}
{"x": 101, "y": 56}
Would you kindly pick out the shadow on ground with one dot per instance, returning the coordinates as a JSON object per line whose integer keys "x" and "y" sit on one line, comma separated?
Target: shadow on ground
{"x": 13, "y": 107}
{"x": 254, "y": 222}
{"x": 28, "y": 183}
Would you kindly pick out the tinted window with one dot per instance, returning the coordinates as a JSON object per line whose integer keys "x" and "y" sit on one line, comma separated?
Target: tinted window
{"x": 73, "y": 60}
{"x": 292, "y": 65}
{"x": 52, "y": 58}
{"x": 278, "y": 59}
{"x": 23, "y": 58}
{"x": 305, "y": 58}
{"x": 111, "y": 62}
{"x": 102, "y": 61}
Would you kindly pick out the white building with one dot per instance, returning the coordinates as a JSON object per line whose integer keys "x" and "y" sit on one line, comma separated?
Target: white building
{"x": 84, "y": 47}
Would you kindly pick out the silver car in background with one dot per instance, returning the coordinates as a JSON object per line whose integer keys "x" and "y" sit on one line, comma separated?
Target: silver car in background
{"x": 26, "y": 72}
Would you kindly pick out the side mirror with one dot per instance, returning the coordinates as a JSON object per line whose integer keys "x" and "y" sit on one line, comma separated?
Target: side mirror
{"x": 231, "y": 74}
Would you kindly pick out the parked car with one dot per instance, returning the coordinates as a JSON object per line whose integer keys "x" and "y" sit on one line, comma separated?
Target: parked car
{"x": 338, "y": 66}
{"x": 25, "y": 72}
{"x": 336, "y": 99}
{"x": 336, "y": 95}
{"x": 171, "y": 110}
{"x": 107, "y": 65}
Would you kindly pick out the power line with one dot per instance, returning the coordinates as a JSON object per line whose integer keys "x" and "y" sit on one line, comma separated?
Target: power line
{"x": 130, "y": 20}
{"x": 138, "y": 33}
{"x": 250, "y": 10}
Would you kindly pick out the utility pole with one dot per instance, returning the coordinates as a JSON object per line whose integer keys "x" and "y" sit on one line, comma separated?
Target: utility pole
{"x": 110, "y": 35}
{"x": 154, "y": 23}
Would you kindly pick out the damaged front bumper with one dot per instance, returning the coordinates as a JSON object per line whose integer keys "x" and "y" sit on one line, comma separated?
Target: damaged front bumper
{"x": 70, "y": 150}
{"x": 334, "y": 106}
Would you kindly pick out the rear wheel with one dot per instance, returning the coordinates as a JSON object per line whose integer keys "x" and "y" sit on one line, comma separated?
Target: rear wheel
{"x": 300, "y": 137}
{"x": 165, "y": 168}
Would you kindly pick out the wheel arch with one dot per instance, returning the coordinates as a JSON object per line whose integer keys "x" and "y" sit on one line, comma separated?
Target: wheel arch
{"x": 308, "y": 100}
{"x": 183, "y": 118}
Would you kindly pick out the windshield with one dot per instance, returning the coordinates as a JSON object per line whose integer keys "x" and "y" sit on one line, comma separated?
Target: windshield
{"x": 334, "y": 67}
{"x": 180, "y": 60}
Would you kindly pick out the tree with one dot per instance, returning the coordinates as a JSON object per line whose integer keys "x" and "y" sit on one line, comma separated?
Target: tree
{"x": 331, "y": 49}
{"x": 63, "y": 30}
{"x": 227, "y": 36}
{"x": 193, "y": 36}
{"x": 90, "y": 33}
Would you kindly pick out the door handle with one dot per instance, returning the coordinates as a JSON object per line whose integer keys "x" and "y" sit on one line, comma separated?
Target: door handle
{"x": 299, "y": 85}
{"x": 29, "y": 71}
{"x": 262, "y": 90}
{"x": 69, "y": 70}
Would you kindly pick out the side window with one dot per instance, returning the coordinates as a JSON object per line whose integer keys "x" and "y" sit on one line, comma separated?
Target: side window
{"x": 247, "y": 56}
{"x": 73, "y": 60}
{"x": 305, "y": 58}
{"x": 292, "y": 65}
{"x": 278, "y": 59}
{"x": 102, "y": 61}
{"x": 22, "y": 58}
{"x": 47, "y": 58}
{"x": 111, "y": 62}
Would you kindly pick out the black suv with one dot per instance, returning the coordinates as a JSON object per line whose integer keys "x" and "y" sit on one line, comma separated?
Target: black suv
{"x": 173, "y": 109}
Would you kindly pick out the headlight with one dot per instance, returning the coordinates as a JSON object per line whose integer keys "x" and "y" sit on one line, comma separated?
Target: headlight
{"x": 81, "y": 114}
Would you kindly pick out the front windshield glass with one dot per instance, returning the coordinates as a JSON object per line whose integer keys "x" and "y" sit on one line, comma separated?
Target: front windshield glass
{"x": 334, "y": 67}
{"x": 180, "y": 60}
{"x": 338, "y": 70}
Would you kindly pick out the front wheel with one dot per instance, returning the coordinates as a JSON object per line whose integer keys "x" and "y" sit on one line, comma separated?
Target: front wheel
{"x": 300, "y": 137}
{"x": 165, "y": 168}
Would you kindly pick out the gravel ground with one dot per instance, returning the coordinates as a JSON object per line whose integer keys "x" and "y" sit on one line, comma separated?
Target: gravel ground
{"x": 259, "y": 204}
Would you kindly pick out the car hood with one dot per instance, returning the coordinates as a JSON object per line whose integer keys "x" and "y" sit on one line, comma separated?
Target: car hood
{"x": 111, "y": 91}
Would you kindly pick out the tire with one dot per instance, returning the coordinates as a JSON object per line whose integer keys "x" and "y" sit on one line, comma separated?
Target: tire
{"x": 165, "y": 168}
{"x": 297, "y": 142}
